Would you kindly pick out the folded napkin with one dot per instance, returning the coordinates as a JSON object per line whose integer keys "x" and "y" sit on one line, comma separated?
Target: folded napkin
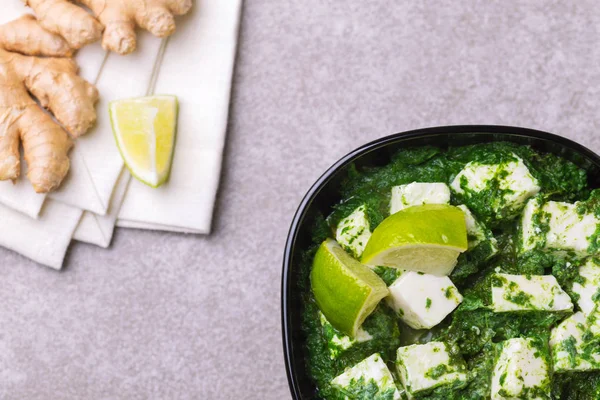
{"x": 97, "y": 162}
{"x": 20, "y": 196}
{"x": 98, "y": 229}
{"x": 81, "y": 188}
{"x": 96, "y": 181}
{"x": 197, "y": 67}
{"x": 120, "y": 77}
{"x": 44, "y": 239}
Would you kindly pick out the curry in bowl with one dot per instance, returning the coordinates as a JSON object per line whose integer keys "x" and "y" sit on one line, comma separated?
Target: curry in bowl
{"x": 461, "y": 273}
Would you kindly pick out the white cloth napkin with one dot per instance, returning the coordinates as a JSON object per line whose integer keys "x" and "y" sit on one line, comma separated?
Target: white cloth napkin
{"x": 81, "y": 188}
{"x": 98, "y": 229}
{"x": 99, "y": 163}
{"x": 44, "y": 239}
{"x": 197, "y": 67}
{"x": 120, "y": 77}
{"x": 20, "y": 196}
{"x": 95, "y": 165}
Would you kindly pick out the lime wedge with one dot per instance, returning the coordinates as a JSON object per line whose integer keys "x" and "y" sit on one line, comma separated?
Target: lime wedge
{"x": 144, "y": 129}
{"x": 425, "y": 238}
{"x": 345, "y": 290}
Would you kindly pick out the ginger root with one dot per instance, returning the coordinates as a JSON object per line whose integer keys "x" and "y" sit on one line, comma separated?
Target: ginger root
{"x": 118, "y": 19}
{"x": 54, "y": 82}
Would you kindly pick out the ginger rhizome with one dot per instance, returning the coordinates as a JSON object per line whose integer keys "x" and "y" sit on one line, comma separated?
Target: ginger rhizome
{"x": 115, "y": 20}
{"x": 34, "y": 62}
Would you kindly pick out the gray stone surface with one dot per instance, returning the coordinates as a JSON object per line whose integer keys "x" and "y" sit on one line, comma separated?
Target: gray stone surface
{"x": 169, "y": 316}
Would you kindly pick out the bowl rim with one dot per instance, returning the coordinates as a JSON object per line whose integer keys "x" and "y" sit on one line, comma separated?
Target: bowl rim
{"x": 308, "y": 198}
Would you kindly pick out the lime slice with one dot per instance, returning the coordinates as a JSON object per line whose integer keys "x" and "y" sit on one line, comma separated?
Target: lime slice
{"x": 345, "y": 290}
{"x": 144, "y": 129}
{"x": 425, "y": 238}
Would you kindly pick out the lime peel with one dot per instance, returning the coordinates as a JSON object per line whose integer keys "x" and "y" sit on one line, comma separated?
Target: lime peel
{"x": 145, "y": 129}
{"x": 426, "y": 238}
{"x": 345, "y": 290}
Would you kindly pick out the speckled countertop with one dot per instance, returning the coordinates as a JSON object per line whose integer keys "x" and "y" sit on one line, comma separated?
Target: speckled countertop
{"x": 169, "y": 316}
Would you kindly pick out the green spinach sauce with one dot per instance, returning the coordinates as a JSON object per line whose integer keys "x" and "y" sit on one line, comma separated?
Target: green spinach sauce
{"x": 472, "y": 327}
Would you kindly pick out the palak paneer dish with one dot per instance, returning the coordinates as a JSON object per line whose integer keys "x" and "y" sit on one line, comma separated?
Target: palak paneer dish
{"x": 459, "y": 273}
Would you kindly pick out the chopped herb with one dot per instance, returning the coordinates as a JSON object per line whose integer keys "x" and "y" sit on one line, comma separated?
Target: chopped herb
{"x": 569, "y": 346}
{"x": 437, "y": 372}
{"x": 596, "y": 296}
{"x": 388, "y": 274}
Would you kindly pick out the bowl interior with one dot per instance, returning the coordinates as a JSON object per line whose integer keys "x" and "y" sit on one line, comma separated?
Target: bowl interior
{"x": 325, "y": 193}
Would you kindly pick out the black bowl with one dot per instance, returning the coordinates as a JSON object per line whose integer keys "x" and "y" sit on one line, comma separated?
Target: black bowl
{"x": 325, "y": 193}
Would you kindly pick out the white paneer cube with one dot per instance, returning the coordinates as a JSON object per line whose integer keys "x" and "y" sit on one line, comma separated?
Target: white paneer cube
{"x": 354, "y": 231}
{"x": 427, "y": 366}
{"x": 589, "y": 289}
{"x": 521, "y": 372}
{"x": 528, "y": 293}
{"x": 475, "y": 176}
{"x": 568, "y": 229}
{"x": 422, "y": 300}
{"x": 512, "y": 182}
{"x": 558, "y": 226}
{"x": 418, "y": 193}
{"x": 370, "y": 370}
{"x": 518, "y": 182}
{"x": 568, "y": 343}
{"x": 337, "y": 342}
